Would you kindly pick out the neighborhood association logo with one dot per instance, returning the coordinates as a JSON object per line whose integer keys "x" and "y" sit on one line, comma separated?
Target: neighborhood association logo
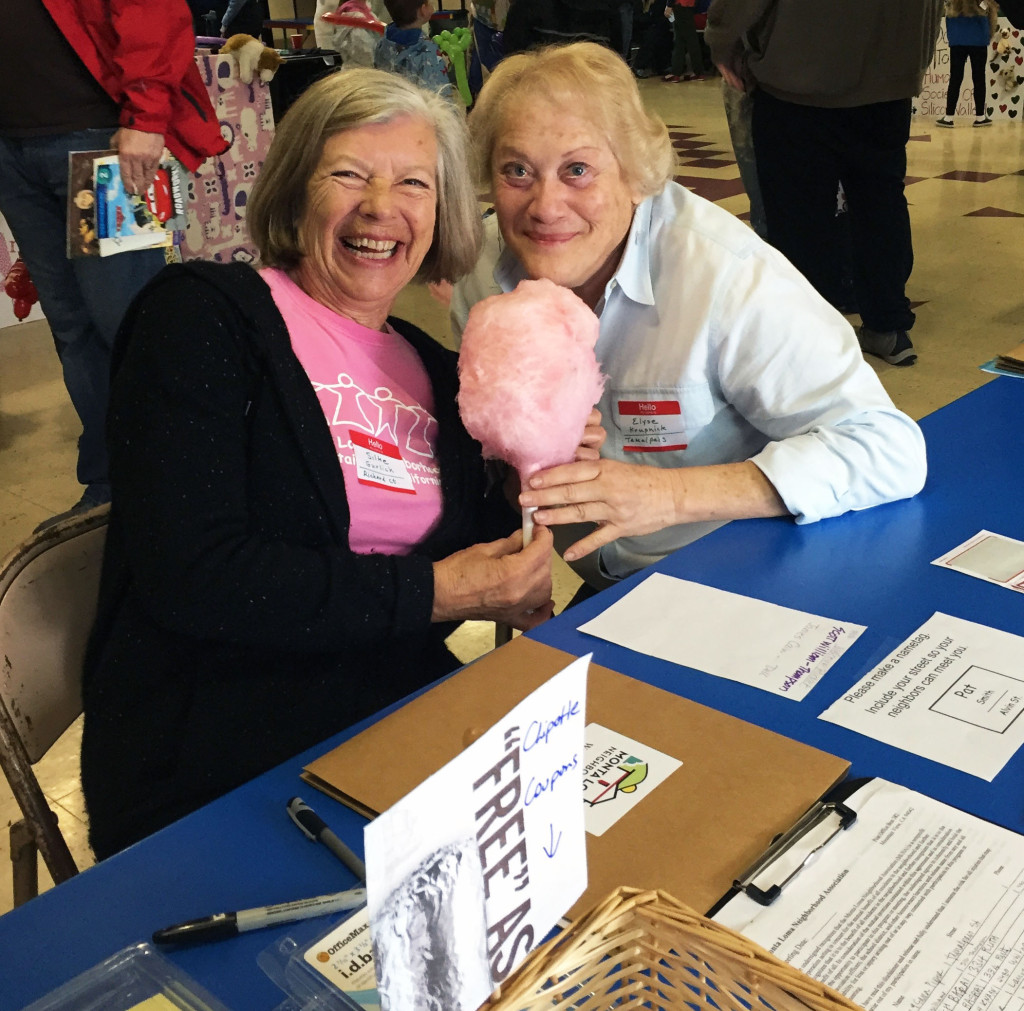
{"x": 612, "y": 772}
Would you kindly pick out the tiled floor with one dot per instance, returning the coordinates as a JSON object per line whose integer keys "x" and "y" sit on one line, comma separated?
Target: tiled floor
{"x": 967, "y": 205}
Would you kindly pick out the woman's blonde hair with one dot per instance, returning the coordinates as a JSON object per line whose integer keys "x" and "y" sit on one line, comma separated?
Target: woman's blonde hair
{"x": 591, "y": 81}
{"x": 344, "y": 101}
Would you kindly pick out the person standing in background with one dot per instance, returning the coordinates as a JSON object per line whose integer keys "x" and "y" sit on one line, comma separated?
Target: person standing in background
{"x": 686, "y": 44}
{"x": 832, "y": 86}
{"x": 488, "y": 22}
{"x": 98, "y": 74}
{"x": 970, "y": 27}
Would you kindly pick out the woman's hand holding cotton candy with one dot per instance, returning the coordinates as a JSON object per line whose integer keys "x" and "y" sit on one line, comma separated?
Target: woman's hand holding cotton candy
{"x": 622, "y": 499}
{"x": 628, "y": 500}
{"x": 594, "y": 435}
{"x": 499, "y": 581}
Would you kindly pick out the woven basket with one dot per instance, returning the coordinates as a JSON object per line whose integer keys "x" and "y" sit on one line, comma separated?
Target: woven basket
{"x": 640, "y": 949}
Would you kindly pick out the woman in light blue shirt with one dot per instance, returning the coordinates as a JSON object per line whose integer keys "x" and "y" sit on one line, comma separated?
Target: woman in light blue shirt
{"x": 734, "y": 389}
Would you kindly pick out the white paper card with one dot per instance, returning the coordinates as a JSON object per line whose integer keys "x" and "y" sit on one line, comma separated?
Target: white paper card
{"x": 468, "y": 872}
{"x": 618, "y": 774}
{"x": 953, "y": 692}
{"x": 726, "y": 634}
{"x": 992, "y": 557}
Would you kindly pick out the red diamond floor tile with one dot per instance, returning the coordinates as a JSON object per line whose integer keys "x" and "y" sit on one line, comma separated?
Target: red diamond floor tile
{"x": 706, "y": 163}
{"x": 690, "y": 145}
{"x": 970, "y": 177}
{"x": 993, "y": 212}
{"x": 711, "y": 189}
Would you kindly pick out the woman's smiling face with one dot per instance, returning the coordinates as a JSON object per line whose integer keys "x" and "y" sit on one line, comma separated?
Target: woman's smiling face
{"x": 371, "y": 205}
{"x": 562, "y": 201}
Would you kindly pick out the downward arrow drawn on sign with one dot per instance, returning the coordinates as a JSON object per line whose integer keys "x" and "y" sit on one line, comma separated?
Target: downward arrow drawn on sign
{"x": 554, "y": 843}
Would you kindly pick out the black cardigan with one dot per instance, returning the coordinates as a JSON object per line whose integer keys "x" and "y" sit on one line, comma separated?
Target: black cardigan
{"x": 235, "y": 626}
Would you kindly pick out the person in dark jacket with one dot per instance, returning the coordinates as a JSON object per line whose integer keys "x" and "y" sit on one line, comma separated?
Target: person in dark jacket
{"x": 832, "y": 86}
{"x": 298, "y": 518}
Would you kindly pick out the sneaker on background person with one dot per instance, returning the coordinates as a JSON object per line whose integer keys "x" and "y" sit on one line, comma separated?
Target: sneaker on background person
{"x": 944, "y": 121}
{"x": 891, "y": 346}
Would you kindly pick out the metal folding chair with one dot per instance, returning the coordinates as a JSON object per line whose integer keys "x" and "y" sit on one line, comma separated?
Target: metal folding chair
{"x": 48, "y": 593}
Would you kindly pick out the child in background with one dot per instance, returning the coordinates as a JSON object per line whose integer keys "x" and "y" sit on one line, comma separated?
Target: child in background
{"x": 407, "y": 51}
{"x": 970, "y": 26}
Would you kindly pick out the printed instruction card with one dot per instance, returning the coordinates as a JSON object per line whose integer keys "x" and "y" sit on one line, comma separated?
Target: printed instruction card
{"x": 467, "y": 873}
{"x": 953, "y": 692}
{"x": 726, "y": 634}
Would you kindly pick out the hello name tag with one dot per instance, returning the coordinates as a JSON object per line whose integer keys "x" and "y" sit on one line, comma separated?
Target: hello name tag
{"x": 380, "y": 464}
{"x": 651, "y": 426}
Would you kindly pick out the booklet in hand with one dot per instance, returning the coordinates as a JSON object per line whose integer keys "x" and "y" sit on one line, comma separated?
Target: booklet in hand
{"x": 103, "y": 218}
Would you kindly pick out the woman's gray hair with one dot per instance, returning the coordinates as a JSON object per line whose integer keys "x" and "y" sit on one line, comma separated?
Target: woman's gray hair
{"x": 592, "y": 82}
{"x": 344, "y": 101}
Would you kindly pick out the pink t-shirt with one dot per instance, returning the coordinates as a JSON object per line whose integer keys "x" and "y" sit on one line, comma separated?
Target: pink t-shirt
{"x": 377, "y": 400}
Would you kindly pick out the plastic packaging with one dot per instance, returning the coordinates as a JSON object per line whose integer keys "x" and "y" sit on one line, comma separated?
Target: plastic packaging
{"x": 325, "y": 969}
{"x": 138, "y": 978}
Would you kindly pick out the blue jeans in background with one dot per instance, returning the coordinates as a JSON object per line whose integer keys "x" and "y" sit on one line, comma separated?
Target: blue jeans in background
{"x": 83, "y": 299}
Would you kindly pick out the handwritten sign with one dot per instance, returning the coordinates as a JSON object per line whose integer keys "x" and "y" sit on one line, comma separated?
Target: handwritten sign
{"x": 726, "y": 634}
{"x": 467, "y": 873}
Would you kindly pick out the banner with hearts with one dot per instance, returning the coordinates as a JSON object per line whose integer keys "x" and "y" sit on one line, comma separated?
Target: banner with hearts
{"x": 1005, "y": 78}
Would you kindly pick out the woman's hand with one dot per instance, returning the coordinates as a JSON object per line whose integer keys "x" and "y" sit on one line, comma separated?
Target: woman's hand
{"x": 593, "y": 438}
{"x": 499, "y": 581}
{"x": 622, "y": 499}
{"x": 628, "y": 500}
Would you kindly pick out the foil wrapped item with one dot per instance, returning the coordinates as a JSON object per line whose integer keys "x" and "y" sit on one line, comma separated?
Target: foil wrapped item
{"x": 429, "y": 937}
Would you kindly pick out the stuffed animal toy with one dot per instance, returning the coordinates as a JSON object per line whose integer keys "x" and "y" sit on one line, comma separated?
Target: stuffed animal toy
{"x": 1010, "y": 79}
{"x": 1003, "y": 42}
{"x": 252, "y": 57}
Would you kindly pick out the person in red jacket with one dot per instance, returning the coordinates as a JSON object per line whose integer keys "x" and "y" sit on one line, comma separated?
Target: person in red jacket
{"x": 93, "y": 74}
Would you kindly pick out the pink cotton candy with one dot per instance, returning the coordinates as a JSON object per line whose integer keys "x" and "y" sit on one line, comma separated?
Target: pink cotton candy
{"x": 528, "y": 375}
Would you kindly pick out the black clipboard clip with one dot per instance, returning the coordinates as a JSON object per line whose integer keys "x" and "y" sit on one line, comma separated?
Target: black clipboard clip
{"x": 793, "y": 850}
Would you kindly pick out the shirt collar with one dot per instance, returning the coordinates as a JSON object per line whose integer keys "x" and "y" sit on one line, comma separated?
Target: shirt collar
{"x": 633, "y": 275}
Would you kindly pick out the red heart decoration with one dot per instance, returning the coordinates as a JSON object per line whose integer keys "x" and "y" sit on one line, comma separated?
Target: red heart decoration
{"x": 1019, "y": 60}
{"x": 1002, "y": 108}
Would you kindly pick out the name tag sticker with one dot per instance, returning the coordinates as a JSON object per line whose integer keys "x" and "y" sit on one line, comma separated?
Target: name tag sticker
{"x": 651, "y": 426}
{"x": 380, "y": 464}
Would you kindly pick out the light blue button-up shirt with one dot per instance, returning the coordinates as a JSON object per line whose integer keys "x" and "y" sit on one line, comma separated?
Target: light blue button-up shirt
{"x": 717, "y": 350}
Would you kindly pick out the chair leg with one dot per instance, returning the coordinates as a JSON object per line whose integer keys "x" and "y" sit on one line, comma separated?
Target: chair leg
{"x": 24, "y": 863}
{"x": 40, "y": 821}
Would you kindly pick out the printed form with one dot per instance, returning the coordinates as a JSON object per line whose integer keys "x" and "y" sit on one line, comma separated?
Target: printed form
{"x": 916, "y": 906}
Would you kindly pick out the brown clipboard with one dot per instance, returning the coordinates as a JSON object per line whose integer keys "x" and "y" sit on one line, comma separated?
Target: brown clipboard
{"x": 1012, "y": 360}
{"x": 738, "y": 788}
